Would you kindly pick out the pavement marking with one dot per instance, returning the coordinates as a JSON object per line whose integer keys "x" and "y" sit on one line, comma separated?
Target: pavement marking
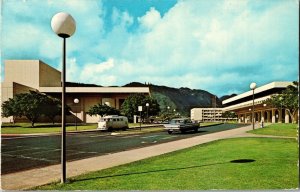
{"x": 169, "y": 137}
{"x": 129, "y": 136}
{"x": 31, "y": 158}
{"x": 150, "y": 136}
{"x": 37, "y": 152}
{"x": 98, "y": 135}
{"x": 148, "y": 142}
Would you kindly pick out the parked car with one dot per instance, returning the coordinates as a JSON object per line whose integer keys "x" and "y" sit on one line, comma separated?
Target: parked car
{"x": 112, "y": 122}
{"x": 182, "y": 125}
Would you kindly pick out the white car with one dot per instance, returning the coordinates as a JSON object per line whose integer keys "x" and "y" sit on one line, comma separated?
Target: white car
{"x": 181, "y": 124}
{"x": 109, "y": 123}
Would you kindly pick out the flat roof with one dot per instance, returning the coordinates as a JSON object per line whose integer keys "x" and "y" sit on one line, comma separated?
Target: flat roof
{"x": 96, "y": 89}
{"x": 258, "y": 90}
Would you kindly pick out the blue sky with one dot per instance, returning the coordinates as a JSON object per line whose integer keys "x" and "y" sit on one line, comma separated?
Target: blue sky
{"x": 219, "y": 45}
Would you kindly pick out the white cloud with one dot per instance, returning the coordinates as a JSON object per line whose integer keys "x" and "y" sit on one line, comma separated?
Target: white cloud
{"x": 231, "y": 37}
{"x": 213, "y": 45}
{"x": 121, "y": 18}
{"x": 150, "y": 19}
{"x": 94, "y": 73}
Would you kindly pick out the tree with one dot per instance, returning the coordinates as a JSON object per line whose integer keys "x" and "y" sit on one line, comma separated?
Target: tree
{"x": 130, "y": 106}
{"x": 32, "y": 105}
{"x": 229, "y": 114}
{"x": 288, "y": 100}
{"x": 102, "y": 110}
{"x": 11, "y": 108}
{"x": 53, "y": 106}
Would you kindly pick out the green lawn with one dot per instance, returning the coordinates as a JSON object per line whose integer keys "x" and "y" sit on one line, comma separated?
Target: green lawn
{"x": 25, "y": 128}
{"x": 203, "y": 167}
{"x": 279, "y": 129}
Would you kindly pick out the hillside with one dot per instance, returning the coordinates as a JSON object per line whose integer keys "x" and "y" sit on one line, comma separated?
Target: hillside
{"x": 182, "y": 99}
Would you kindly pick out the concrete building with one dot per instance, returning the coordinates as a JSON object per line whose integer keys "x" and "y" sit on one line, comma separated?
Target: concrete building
{"x": 207, "y": 114}
{"x": 24, "y": 75}
{"x": 242, "y": 105}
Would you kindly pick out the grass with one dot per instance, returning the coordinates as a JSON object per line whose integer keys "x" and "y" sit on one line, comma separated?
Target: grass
{"x": 203, "y": 167}
{"x": 279, "y": 129}
{"x": 25, "y": 128}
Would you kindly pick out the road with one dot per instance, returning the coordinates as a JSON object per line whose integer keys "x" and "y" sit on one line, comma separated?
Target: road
{"x": 22, "y": 153}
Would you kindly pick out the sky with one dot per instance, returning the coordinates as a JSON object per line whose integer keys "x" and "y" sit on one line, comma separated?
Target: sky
{"x": 220, "y": 46}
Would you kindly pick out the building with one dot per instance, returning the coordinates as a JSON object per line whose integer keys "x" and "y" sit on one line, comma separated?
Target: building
{"x": 24, "y": 75}
{"x": 242, "y": 105}
{"x": 207, "y": 114}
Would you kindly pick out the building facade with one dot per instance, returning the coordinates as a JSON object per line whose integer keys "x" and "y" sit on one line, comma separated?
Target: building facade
{"x": 207, "y": 114}
{"x": 24, "y": 75}
{"x": 242, "y": 105}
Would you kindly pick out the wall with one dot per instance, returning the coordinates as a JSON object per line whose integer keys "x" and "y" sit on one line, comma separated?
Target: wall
{"x": 24, "y": 72}
{"x": 48, "y": 76}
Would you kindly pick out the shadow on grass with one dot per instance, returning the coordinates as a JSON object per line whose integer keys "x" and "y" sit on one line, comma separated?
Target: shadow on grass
{"x": 242, "y": 161}
{"x": 162, "y": 170}
{"x": 144, "y": 172}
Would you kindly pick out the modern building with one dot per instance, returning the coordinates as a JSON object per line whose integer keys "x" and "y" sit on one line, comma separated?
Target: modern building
{"x": 24, "y": 75}
{"x": 207, "y": 114}
{"x": 242, "y": 105}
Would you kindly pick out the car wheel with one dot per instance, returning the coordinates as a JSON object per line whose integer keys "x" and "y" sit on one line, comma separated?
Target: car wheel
{"x": 196, "y": 130}
{"x": 109, "y": 129}
{"x": 170, "y": 131}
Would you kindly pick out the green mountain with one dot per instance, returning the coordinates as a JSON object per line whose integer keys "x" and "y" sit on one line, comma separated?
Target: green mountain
{"x": 181, "y": 99}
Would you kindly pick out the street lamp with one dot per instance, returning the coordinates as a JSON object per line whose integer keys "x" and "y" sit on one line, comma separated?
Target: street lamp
{"x": 252, "y": 87}
{"x": 76, "y": 101}
{"x": 147, "y": 105}
{"x": 64, "y": 26}
{"x": 280, "y": 99}
{"x": 140, "y": 109}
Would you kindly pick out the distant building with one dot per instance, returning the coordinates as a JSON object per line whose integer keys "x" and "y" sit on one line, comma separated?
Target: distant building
{"x": 207, "y": 114}
{"x": 24, "y": 75}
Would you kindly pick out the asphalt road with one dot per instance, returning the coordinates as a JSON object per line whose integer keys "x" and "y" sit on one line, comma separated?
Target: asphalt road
{"x": 22, "y": 153}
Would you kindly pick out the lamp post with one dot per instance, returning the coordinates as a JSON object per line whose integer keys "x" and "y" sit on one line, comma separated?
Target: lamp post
{"x": 252, "y": 87}
{"x": 76, "y": 101}
{"x": 280, "y": 99}
{"x": 64, "y": 26}
{"x": 140, "y": 109}
{"x": 147, "y": 105}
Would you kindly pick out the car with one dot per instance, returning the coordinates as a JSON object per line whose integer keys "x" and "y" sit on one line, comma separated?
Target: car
{"x": 111, "y": 122}
{"x": 182, "y": 125}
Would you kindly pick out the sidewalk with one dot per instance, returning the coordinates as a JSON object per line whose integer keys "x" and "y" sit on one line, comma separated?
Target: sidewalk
{"x": 27, "y": 179}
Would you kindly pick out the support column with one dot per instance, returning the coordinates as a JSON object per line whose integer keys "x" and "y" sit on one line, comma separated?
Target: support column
{"x": 287, "y": 117}
{"x": 258, "y": 116}
{"x": 279, "y": 115}
{"x": 273, "y": 116}
{"x": 262, "y": 115}
{"x": 268, "y": 116}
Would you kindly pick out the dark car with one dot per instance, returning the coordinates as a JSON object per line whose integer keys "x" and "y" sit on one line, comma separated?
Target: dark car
{"x": 182, "y": 125}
